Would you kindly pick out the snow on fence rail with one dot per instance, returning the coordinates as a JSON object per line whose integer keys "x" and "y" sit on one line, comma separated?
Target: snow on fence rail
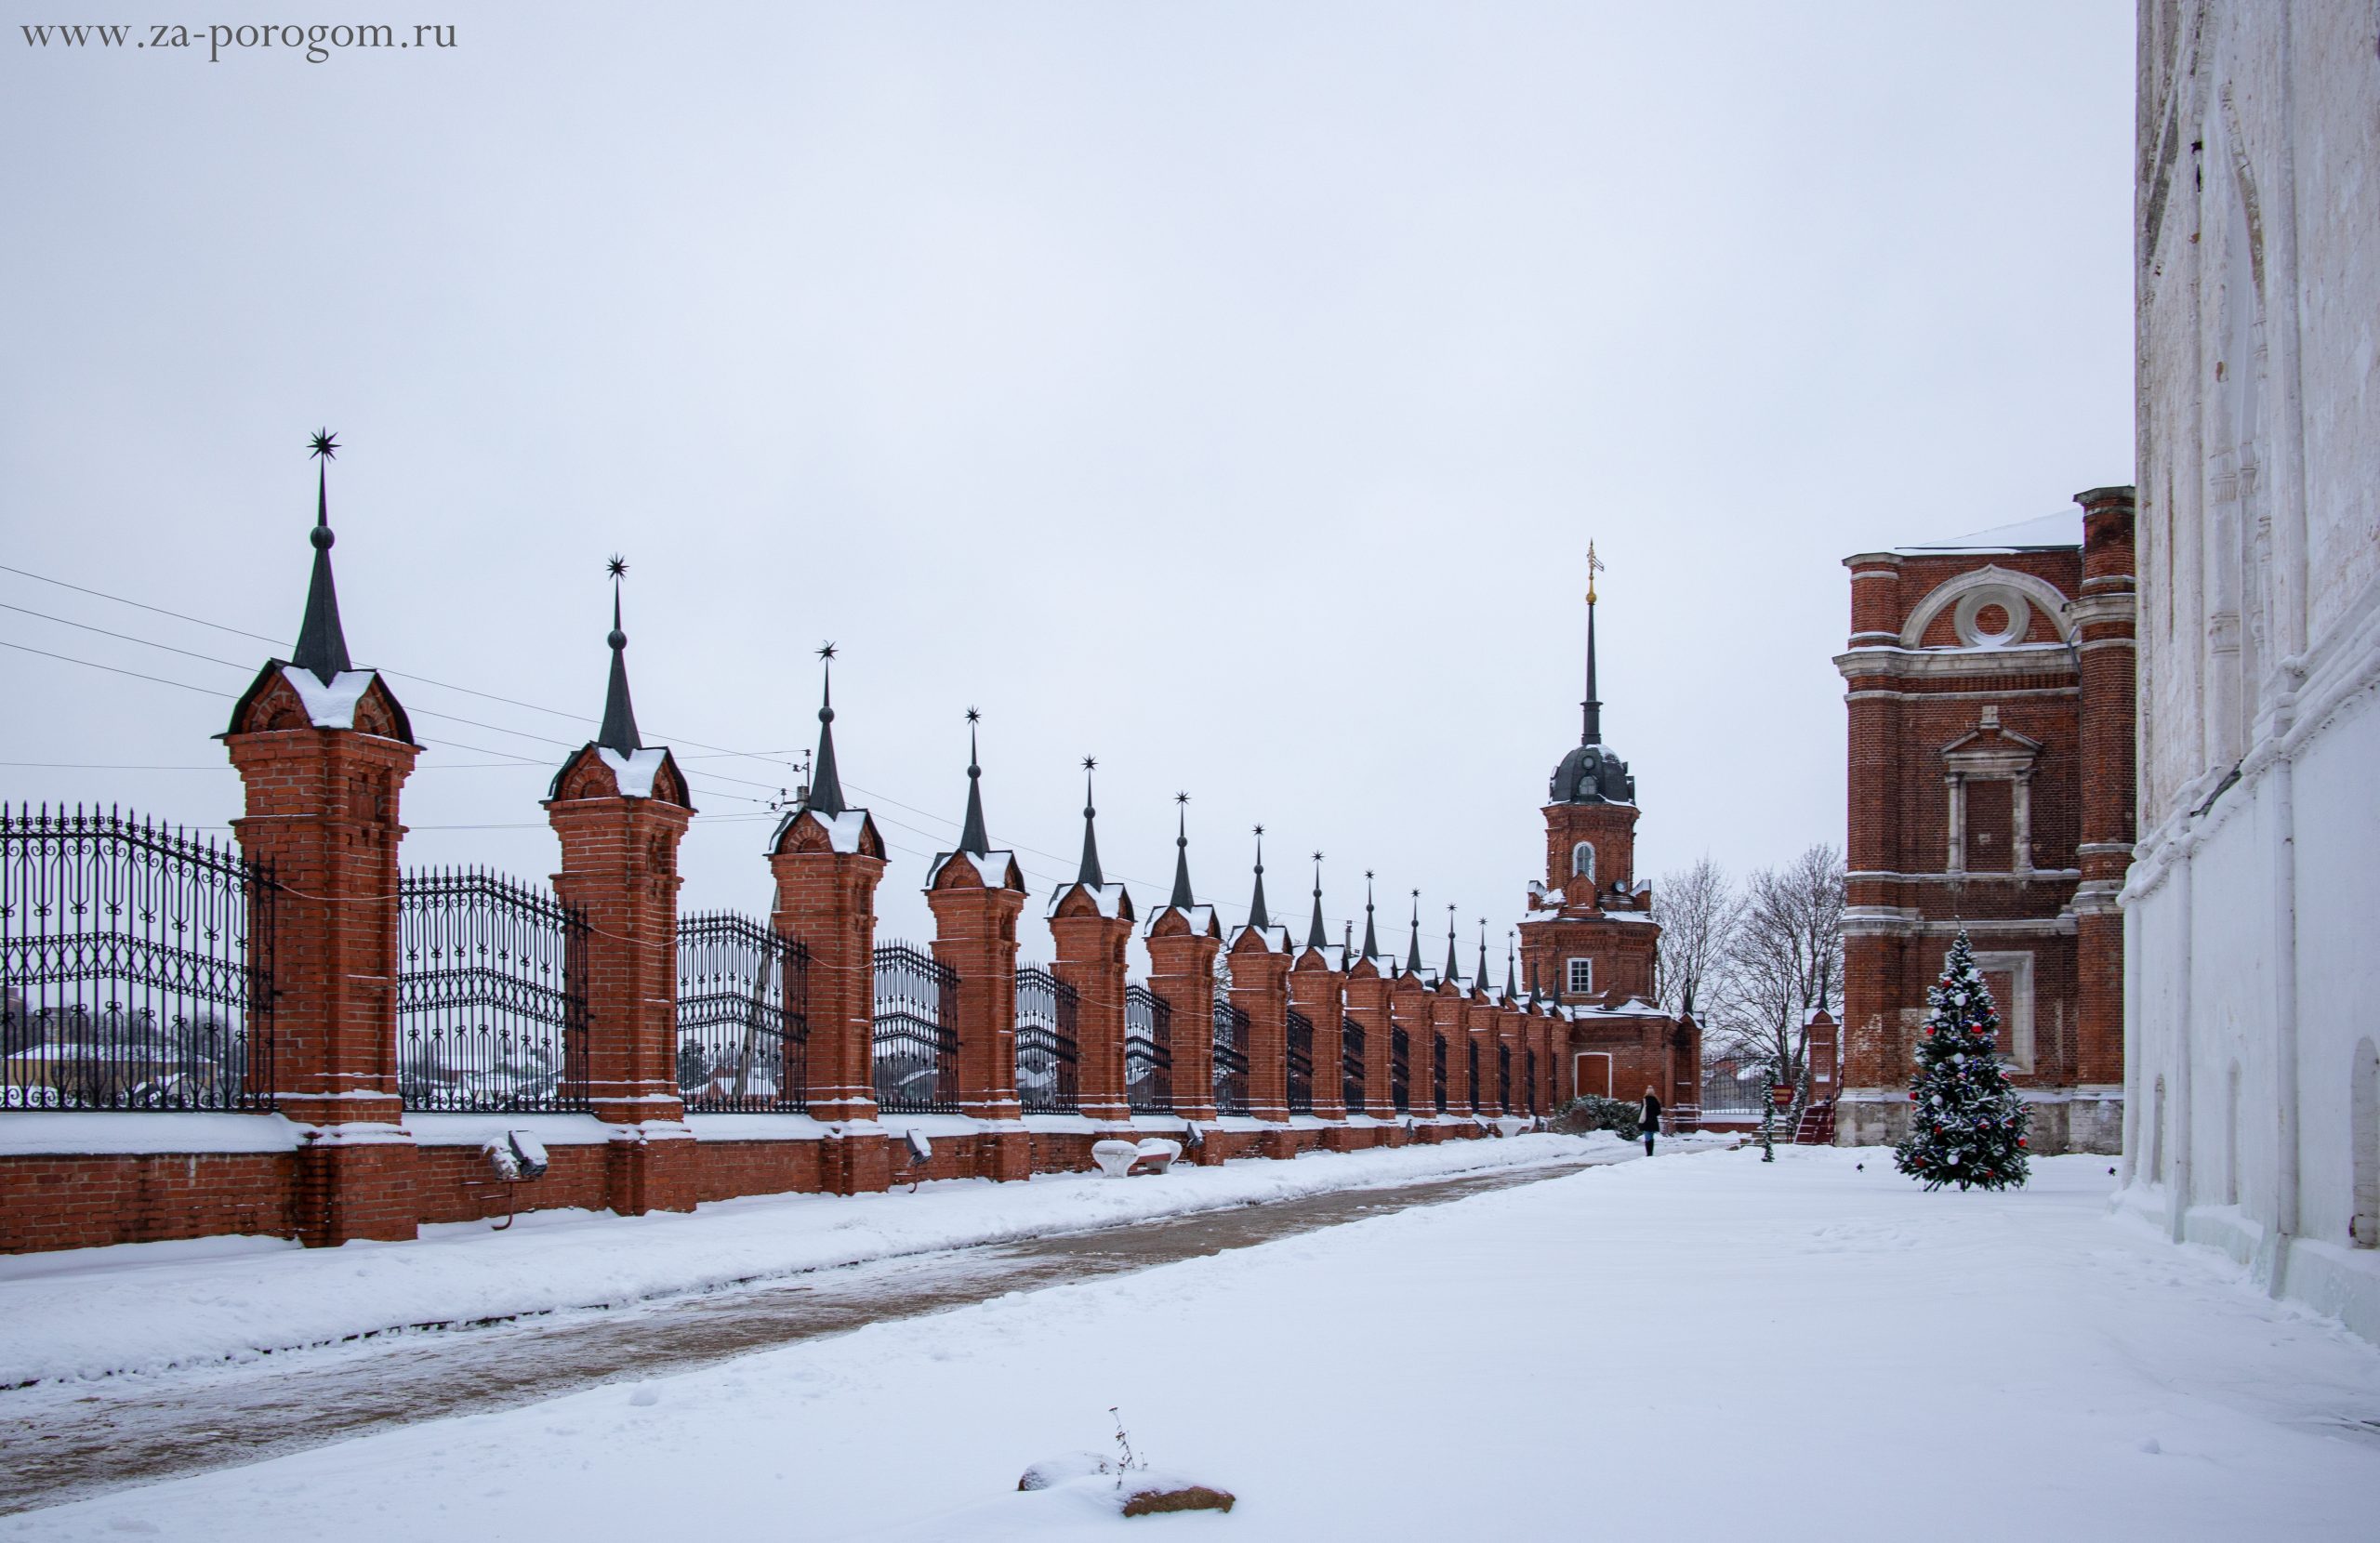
{"x": 136, "y": 966}
{"x": 491, "y": 995}
{"x": 743, "y": 1016}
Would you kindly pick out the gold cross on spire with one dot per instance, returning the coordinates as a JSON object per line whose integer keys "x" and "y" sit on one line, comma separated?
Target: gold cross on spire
{"x": 1595, "y": 566}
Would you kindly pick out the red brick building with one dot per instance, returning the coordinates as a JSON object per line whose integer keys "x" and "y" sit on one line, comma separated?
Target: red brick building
{"x": 1589, "y": 940}
{"x": 1991, "y": 692}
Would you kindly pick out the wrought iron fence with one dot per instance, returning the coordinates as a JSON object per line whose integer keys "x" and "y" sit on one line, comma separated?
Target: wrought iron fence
{"x": 743, "y": 1016}
{"x": 1231, "y": 1058}
{"x": 1301, "y": 1059}
{"x": 1471, "y": 1068}
{"x": 491, "y": 998}
{"x": 1351, "y": 1064}
{"x": 136, "y": 966}
{"x": 1736, "y": 1085}
{"x": 917, "y": 1032}
{"x": 1047, "y": 1053}
{"x": 1148, "y": 1051}
{"x": 1438, "y": 1073}
{"x": 1400, "y": 1069}
{"x": 1528, "y": 1056}
{"x": 1503, "y": 1078}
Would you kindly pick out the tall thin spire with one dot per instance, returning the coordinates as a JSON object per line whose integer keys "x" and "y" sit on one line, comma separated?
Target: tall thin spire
{"x": 1512, "y": 971}
{"x": 1314, "y": 937}
{"x": 1181, "y": 900}
{"x": 1256, "y": 915}
{"x": 321, "y": 645}
{"x": 826, "y": 778}
{"x": 1089, "y": 874}
{"x": 1591, "y": 731}
{"x": 971, "y": 834}
{"x": 1452, "y": 972}
{"x": 1481, "y": 979}
{"x": 1413, "y": 953}
{"x": 619, "y": 713}
{"x": 1372, "y": 940}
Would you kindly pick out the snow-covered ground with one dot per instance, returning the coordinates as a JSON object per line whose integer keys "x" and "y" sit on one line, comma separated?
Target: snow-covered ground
{"x": 142, "y": 1306}
{"x": 1699, "y": 1346}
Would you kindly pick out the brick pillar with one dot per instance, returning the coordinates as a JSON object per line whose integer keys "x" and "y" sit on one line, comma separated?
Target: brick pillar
{"x": 827, "y": 870}
{"x": 1447, "y": 1021}
{"x": 1090, "y": 937}
{"x": 2104, "y": 618}
{"x": 1367, "y": 992}
{"x": 1319, "y": 992}
{"x": 619, "y": 867}
{"x": 322, "y": 798}
{"x": 1183, "y": 944}
{"x": 1512, "y": 1032}
{"x": 1260, "y": 988}
{"x": 974, "y": 924}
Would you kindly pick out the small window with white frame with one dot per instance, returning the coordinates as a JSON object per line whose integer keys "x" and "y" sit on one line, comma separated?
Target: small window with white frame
{"x": 1582, "y": 863}
{"x": 1579, "y": 977}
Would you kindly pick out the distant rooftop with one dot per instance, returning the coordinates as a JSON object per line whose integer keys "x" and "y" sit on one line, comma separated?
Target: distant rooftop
{"x": 2062, "y": 529}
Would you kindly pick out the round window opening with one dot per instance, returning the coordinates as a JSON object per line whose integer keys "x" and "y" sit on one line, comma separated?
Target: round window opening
{"x": 1992, "y": 617}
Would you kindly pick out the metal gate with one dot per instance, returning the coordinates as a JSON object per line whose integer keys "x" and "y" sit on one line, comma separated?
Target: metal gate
{"x": 136, "y": 966}
{"x": 743, "y": 1016}
{"x": 1148, "y": 1051}
{"x": 490, "y": 995}
{"x": 1048, "y": 1057}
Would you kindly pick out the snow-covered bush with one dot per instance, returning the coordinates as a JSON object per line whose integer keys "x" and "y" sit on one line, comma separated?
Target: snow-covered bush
{"x": 1593, "y": 1112}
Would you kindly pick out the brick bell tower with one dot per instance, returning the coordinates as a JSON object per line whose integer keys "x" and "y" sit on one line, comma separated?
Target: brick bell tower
{"x": 1589, "y": 937}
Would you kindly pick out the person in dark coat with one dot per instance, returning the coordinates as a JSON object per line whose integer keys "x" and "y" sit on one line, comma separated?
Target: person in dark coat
{"x": 1648, "y": 1119}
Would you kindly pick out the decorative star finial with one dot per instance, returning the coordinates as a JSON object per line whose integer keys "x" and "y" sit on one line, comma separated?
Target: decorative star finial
{"x": 1318, "y": 855}
{"x": 826, "y": 651}
{"x": 1182, "y": 797}
{"x": 617, "y": 566}
{"x": 1260, "y": 830}
{"x": 1091, "y": 763}
{"x": 1368, "y": 875}
{"x": 974, "y": 716}
{"x": 324, "y": 443}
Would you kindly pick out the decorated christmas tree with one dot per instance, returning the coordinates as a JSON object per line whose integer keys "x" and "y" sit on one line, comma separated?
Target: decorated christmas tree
{"x": 1966, "y": 1125}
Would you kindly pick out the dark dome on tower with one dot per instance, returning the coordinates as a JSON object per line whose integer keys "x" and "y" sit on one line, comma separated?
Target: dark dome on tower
{"x": 1591, "y": 775}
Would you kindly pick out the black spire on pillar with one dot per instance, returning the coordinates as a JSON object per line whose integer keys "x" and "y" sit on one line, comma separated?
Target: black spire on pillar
{"x": 1592, "y": 729}
{"x": 1371, "y": 941}
{"x": 1512, "y": 972}
{"x": 1413, "y": 953}
{"x": 1314, "y": 937}
{"x": 1452, "y": 972}
{"x": 619, "y": 713}
{"x": 971, "y": 838}
{"x": 1256, "y": 915}
{"x": 321, "y": 645}
{"x": 1182, "y": 900}
{"x": 1089, "y": 874}
{"x": 1480, "y": 980}
{"x": 825, "y": 779}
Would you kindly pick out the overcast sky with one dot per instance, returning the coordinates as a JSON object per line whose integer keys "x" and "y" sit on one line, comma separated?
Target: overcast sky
{"x": 1226, "y": 390}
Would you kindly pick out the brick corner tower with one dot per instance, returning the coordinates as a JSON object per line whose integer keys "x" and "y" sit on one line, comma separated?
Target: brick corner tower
{"x": 323, "y": 750}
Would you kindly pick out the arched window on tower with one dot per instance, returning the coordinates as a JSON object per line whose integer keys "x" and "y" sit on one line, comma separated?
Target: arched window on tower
{"x": 1582, "y": 863}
